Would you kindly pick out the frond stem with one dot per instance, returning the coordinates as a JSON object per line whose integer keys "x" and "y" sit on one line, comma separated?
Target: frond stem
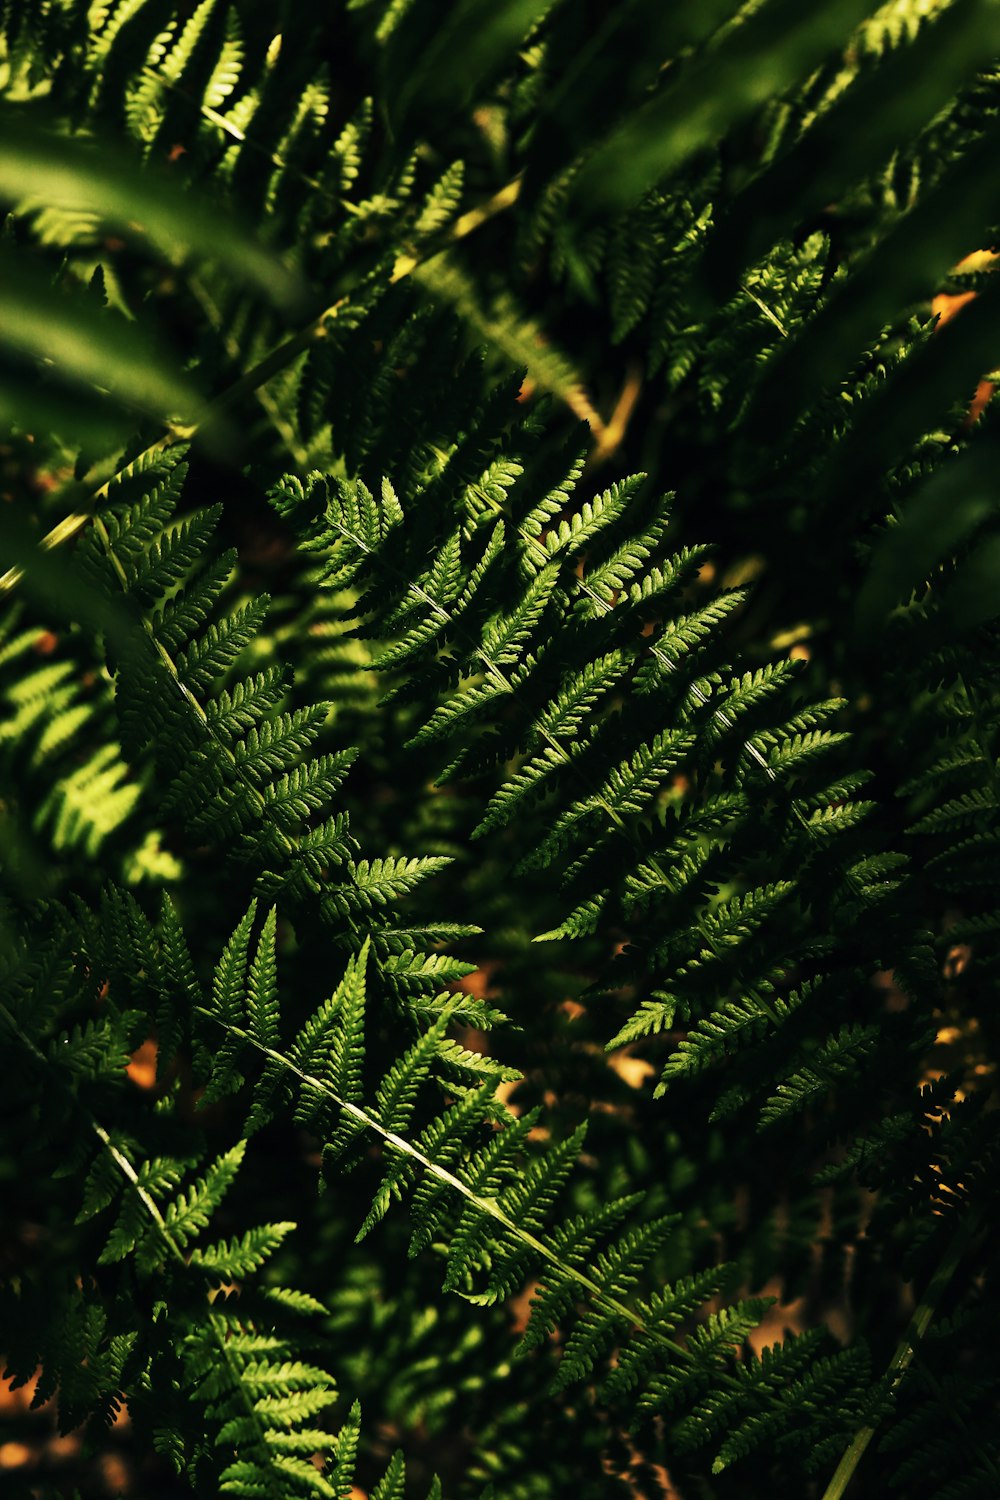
{"x": 906, "y": 1349}
{"x": 488, "y": 1206}
{"x": 220, "y": 1333}
{"x": 125, "y": 1167}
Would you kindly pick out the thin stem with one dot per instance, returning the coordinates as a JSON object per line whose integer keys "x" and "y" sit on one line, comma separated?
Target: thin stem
{"x": 772, "y": 317}
{"x": 219, "y": 1331}
{"x": 489, "y": 1206}
{"x": 906, "y": 1349}
{"x": 149, "y": 1203}
{"x": 613, "y": 431}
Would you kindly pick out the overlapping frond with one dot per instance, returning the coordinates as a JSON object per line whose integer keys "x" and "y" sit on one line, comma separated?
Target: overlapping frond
{"x": 657, "y": 818}
{"x": 713, "y": 233}
{"x": 221, "y": 1382}
{"x": 238, "y": 766}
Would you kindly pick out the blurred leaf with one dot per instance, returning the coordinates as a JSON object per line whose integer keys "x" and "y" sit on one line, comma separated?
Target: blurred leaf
{"x": 973, "y": 596}
{"x": 504, "y": 325}
{"x": 935, "y": 522}
{"x": 32, "y": 404}
{"x": 452, "y": 61}
{"x": 72, "y": 336}
{"x": 918, "y": 395}
{"x": 57, "y": 584}
{"x": 603, "y": 70}
{"x": 902, "y": 269}
{"x": 83, "y": 343}
{"x": 854, "y": 137}
{"x": 760, "y": 56}
{"x": 45, "y": 166}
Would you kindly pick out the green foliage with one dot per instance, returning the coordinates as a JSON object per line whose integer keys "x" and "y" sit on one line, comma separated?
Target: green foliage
{"x": 590, "y": 889}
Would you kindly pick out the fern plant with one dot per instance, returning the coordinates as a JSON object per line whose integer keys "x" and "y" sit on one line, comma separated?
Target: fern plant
{"x": 498, "y": 800}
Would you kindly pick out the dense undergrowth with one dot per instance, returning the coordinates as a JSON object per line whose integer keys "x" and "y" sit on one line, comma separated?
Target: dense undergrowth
{"x": 498, "y": 774}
